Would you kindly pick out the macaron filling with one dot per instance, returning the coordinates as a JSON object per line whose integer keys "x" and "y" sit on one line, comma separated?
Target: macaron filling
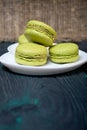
{"x": 41, "y": 29}
{"x": 30, "y": 58}
{"x": 63, "y": 56}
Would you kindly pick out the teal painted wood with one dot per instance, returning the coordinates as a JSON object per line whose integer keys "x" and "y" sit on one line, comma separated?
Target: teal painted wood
{"x": 57, "y": 102}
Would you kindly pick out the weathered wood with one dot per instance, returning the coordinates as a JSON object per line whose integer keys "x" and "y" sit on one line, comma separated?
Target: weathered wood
{"x": 67, "y": 17}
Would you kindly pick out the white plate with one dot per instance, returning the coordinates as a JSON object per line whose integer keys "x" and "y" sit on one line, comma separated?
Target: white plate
{"x": 12, "y": 48}
{"x": 50, "y": 68}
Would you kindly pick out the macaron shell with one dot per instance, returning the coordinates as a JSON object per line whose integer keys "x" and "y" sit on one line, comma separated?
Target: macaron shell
{"x": 22, "y": 39}
{"x": 42, "y": 24}
{"x": 38, "y": 37}
{"x": 31, "y": 62}
{"x": 64, "y": 49}
{"x": 31, "y": 49}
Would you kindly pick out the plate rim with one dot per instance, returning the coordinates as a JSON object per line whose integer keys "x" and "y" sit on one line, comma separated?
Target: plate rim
{"x": 67, "y": 67}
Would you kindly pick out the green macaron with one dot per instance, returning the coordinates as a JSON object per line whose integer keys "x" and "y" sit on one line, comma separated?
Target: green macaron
{"x": 64, "y": 53}
{"x": 31, "y": 54}
{"x": 40, "y": 32}
{"x": 22, "y": 39}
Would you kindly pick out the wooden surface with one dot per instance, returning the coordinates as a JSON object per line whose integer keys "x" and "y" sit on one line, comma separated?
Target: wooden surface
{"x": 67, "y": 17}
{"x": 56, "y": 102}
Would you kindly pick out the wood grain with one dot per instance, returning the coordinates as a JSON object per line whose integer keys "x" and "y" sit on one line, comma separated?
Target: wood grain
{"x": 55, "y": 102}
{"x": 67, "y": 17}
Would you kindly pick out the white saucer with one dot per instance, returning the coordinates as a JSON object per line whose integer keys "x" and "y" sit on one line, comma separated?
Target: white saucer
{"x": 50, "y": 68}
{"x": 12, "y": 48}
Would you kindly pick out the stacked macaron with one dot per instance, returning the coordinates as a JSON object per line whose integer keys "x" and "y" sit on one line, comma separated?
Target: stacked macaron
{"x": 32, "y": 47}
{"x": 40, "y": 32}
{"x": 37, "y": 41}
{"x": 22, "y": 39}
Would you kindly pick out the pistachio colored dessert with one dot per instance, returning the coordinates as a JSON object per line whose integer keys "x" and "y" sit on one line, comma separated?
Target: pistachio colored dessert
{"x": 31, "y": 54}
{"x": 40, "y": 32}
{"x": 64, "y": 53}
{"x": 22, "y": 39}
